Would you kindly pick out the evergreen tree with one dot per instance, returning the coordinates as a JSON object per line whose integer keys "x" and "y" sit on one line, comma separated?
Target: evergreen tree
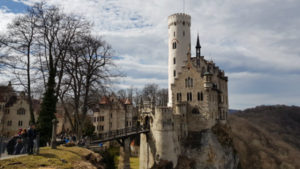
{"x": 48, "y": 109}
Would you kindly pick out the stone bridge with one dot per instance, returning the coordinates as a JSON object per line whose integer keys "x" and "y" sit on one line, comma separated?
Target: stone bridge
{"x": 122, "y": 136}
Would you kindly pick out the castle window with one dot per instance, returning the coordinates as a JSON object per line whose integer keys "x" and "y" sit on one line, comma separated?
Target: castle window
{"x": 20, "y": 123}
{"x": 183, "y": 23}
{"x": 9, "y": 123}
{"x": 189, "y": 96}
{"x": 199, "y": 96}
{"x": 95, "y": 119}
{"x": 189, "y": 82}
{"x": 174, "y": 60}
{"x": 21, "y": 111}
{"x": 178, "y": 97}
{"x": 174, "y": 73}
{"x": 174, "y": 45}
{"x": 183, "y": 33}
{"x": 186, "y": 83}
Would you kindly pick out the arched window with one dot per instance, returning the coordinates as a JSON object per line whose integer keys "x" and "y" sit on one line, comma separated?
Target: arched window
{"x": 21, "y": 111}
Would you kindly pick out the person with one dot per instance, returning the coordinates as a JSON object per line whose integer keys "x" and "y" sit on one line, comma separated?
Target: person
{"x": 25, "y": 142}
{"x": 18, "y": 146}
{"x": 31, "y": 134}
{"x": 20, "y": 131}
{"x": 74, "y": 139}
{"x": 11, "y": 145}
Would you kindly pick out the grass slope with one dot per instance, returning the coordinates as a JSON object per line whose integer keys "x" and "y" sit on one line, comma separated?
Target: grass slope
{"x": 62, "y": 158}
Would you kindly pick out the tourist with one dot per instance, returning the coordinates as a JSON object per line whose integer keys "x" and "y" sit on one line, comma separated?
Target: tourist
{"x": 25, "y": 141}
{"x": 31, "y": 138}
{"x": 11, "y": 145}
{"x": 18, "y": 146}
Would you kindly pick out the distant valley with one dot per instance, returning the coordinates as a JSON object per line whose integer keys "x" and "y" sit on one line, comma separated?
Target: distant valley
{"x": 267, "y": 137}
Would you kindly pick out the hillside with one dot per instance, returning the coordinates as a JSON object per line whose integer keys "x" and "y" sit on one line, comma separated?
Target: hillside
{"x": 267, "y": 137}
{"x": 60, "y": 158}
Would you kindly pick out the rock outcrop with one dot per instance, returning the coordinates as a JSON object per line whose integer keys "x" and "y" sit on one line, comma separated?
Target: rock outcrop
{"x": 208, "y": 149}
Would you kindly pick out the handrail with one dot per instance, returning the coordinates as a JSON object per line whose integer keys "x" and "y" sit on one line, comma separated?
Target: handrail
{"x": 115, "y": 134}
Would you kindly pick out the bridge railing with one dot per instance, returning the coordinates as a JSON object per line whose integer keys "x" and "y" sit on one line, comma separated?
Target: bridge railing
{"x": 121, "y": 132}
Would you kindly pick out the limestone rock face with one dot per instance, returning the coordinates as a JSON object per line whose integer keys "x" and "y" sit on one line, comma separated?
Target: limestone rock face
{"x": 204, "y": 151}
{"x": 207, "y": 149}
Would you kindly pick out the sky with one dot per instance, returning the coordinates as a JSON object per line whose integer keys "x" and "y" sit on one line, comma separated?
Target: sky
{"x": 256, "y": 42}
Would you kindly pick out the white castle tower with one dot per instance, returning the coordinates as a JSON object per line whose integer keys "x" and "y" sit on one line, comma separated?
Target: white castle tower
{"x": 179, "y": 43}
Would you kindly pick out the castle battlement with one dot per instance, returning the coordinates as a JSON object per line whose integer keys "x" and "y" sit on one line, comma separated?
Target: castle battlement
{"x": 179, "y": 18}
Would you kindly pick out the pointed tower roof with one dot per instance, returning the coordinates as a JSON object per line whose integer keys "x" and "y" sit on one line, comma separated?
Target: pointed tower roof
{"x": 198, "y": 42}
{"x": 198, "y": 47}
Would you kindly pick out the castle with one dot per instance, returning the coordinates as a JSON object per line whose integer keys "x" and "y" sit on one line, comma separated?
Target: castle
{"x": 198, "y": 99}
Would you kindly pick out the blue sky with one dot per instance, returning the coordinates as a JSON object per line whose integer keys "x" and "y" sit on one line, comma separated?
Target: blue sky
{"x": 256, "y": 42}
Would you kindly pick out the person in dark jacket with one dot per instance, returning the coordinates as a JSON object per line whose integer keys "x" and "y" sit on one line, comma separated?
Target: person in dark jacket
{"x": 11, "y": 145}
{"x": 25, "y": 142}
{"x": 18, "y": 146}
{"x": 31, "y": 134}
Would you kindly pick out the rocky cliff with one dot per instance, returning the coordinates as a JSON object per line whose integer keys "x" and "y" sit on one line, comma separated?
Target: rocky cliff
{"x": 208, "y": 149}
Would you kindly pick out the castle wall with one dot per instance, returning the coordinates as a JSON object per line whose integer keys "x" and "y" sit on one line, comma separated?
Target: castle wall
{"x": 166, "y": 140}
{"x": 146, "y": 155}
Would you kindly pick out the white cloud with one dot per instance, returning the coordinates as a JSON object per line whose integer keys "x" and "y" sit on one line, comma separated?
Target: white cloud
{"x": 255, "y": 42}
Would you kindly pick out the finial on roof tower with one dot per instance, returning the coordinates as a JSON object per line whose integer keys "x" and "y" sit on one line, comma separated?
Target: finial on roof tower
{"x": 198, "y": 47}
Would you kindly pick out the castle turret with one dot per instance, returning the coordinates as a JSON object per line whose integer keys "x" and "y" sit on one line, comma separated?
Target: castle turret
{"x": 179, "y": 43}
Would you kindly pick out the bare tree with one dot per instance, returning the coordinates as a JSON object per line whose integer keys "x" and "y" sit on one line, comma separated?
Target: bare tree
{"x": 87, "y": 68}
{"x": 56, "y": 33}
{"x": 19, "y": 49}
